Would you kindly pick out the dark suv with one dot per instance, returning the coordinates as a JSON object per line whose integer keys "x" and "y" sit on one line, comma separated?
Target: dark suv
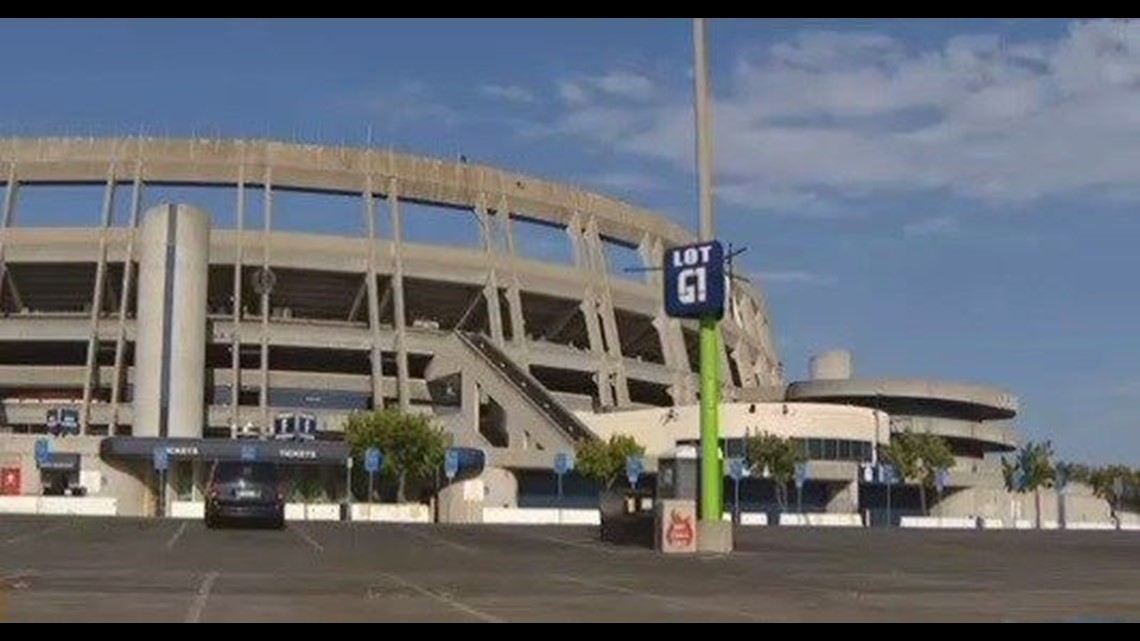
{"x": 247, "y": 492}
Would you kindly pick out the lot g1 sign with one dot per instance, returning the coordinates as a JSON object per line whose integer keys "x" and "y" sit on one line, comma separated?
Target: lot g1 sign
{"x": 694, "y": 281}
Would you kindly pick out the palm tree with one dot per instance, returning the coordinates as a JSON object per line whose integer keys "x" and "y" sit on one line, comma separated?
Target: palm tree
{"x": 1029, "y": 471}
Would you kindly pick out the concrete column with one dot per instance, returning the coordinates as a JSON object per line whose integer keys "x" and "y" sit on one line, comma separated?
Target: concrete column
{"x": 125, "y": 300}
{"x": 491, "y": 290}
{"x": 266, "y": 308}
{"x": 170, "y": 349}
{"x": 89, "y": 373}
{"x": 494, "y": 313}
{"x": 652, "y": 252}
{"x": 402, "y": 391}
{"x": 728, "y": 389}
{"x": 514, "y": 296}
{"x": 577, "y": 243}
{"x": 461, "y": 503}
{"x": 238, "y": 302}
{"x": 741, "y": 353}
{"x": 11, "y": 188}
{"x": 373, "y": 289}
{"x": 600, "y": 270}
{"x": 844, "y": 499}
{"x": 469, "y": 402}
{"x": 597, "y": 349}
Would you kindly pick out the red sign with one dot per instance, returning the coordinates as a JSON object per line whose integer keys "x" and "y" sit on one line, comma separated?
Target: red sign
{"x": 681, "y": 532}
{"x": 10, "y": 481}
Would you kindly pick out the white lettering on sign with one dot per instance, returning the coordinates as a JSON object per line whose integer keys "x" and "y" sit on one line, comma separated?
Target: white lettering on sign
{"x": 182, "y": 452}
{"x": 692, "y": 256}
{"x": 298, "y": 454}
{"x": 692, "y": 286}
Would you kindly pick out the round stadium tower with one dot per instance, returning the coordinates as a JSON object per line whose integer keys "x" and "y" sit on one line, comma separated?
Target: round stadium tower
{"x": 189, "y": 293}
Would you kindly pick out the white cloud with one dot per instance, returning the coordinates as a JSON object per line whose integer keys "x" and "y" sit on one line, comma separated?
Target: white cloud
{"x": 406, "y": 103}
{"x": 628, "y": 181}
{"x": 508, "y": 93}
{"x": 792, "y": 278}
{"x": 573, "y": 92}
{"x": 936, "y": 226}
{"x": 825, "y": 118}
{"x": 620, "y": 85}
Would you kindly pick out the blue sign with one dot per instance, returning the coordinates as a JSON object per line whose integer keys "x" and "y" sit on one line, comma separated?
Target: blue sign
{"x": 563, "y": 463}
{"x": 737, "y": 469}
{"x": 307, "y": 430}
{"x": 633, "y": 469}
{"x": 53, "y": 422}
{"x": 161, "y": 459}
{"x": 694, "y": 281}
{"x": 887, "y": 474}
{"x": 43, "y": 451}
{"x": 248, "y": 453}
{"x": 801, "y": 475}
{"x": 69, "y": 422}
{"x": 941, "y": 480}
{"x": 373, "y": 460}
{"x": 451, "y": 464}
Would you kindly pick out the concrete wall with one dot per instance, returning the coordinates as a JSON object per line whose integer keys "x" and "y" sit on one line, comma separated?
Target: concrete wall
{"x": 659, "y": 430}
{"x": 1080, "y": 506}
{"x": 501, "y": 488}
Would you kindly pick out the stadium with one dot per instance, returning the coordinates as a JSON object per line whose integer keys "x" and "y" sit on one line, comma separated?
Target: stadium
{"x": 191, "y": 311}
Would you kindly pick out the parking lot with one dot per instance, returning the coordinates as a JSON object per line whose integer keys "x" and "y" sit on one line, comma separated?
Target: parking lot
{"x": 127, "y": 570}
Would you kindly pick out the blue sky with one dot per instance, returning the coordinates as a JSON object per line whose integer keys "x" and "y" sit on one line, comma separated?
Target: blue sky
{"x": 948, "y": 198}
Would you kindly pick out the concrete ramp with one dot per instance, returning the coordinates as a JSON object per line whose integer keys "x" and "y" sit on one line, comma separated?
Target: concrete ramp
{"x": 536, "y": 424}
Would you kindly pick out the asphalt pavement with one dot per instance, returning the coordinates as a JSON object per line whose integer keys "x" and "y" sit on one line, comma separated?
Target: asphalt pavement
{"x": 102, "y": 570}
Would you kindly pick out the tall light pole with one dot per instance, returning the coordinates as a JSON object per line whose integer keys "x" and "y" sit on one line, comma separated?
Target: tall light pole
{"x": 712, "y": 507}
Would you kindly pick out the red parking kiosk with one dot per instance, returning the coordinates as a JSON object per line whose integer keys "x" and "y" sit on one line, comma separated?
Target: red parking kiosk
{"x": 10, "y": 481}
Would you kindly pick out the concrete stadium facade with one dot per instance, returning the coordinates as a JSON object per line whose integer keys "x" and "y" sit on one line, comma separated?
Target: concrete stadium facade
{"x": 329, "y": 325}
{"x": 187, "y": 322}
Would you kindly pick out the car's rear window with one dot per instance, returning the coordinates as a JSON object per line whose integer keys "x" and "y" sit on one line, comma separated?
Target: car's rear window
{"x": 256, "y": 472}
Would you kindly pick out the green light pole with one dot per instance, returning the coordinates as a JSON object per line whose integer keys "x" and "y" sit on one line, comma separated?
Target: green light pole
{"x": 712, "y": 504}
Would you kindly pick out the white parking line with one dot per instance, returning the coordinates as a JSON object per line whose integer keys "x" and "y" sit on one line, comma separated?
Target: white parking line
{"x": 444, "y": 599}
{"x": 424, "y": 536}
{"x": 37, "y": 534}
{"x": 199, "y": 605}
{"x": 304, "y": 536}
{"x": 9, "y": 580}
{"x": 684, "y": 604}
{"x": 177, "y": 535}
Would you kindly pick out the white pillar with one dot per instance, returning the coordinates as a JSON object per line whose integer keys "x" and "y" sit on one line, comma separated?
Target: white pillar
{"x": 171, "y": 329}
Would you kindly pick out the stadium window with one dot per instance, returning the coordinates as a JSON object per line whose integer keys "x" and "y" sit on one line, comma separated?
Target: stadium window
{"x": 815, "y": 449}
